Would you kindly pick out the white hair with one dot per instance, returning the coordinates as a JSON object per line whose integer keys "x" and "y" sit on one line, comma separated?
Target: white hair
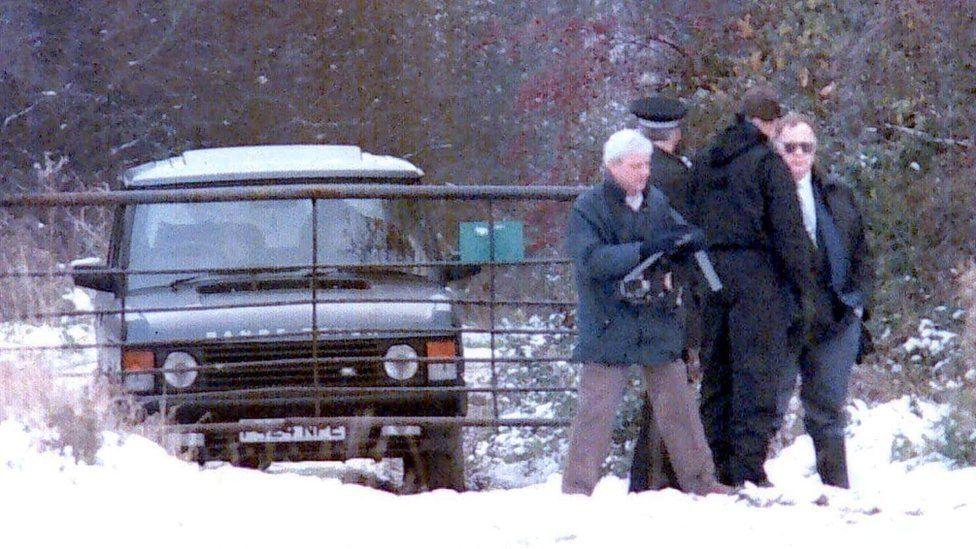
{"x": 625, "y": 142}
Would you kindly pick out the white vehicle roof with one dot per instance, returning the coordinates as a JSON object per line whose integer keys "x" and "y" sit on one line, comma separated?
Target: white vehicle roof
{"x": 268, "y": 162}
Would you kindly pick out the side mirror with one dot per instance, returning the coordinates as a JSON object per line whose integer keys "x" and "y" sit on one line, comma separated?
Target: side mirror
{"x": 95, "y": 275}
{"x": 452, "y": 273}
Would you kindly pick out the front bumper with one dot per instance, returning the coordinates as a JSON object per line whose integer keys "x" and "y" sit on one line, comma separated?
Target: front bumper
{"x": 373, "y": 440}
{"x": 187, "y": 408}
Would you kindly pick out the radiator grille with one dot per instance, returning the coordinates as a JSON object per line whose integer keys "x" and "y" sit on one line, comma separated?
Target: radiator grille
{"x": 230, "y": 366}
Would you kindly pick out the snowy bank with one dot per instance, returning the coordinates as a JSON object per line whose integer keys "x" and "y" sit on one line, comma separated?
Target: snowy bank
{"x": 137, "y": 494}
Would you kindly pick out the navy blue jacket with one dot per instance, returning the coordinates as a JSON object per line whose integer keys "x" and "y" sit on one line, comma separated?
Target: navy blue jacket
{"x": 604, "y": 239}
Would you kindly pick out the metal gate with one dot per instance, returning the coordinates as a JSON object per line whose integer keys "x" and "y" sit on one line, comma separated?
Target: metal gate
{"x": 321, "y": 390}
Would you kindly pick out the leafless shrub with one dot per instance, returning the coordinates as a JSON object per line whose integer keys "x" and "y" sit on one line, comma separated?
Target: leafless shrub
{"x": 24, "y": 392}
{"x": 72, "y": 418}
{"x": 955, "y": 435}
{"x": 45, "y": 240}
{"x": 967, "y": 291}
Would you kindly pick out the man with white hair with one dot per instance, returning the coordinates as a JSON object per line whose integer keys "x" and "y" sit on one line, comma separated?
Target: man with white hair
{"x": 623, "y": 319}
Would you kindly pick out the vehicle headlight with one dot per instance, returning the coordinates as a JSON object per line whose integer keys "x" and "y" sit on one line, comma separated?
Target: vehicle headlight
{"x": 401, "y": 368}
{"x": 179, "y": 369}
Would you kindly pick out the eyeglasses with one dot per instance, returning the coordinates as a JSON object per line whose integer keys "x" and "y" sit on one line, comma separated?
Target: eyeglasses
{"x": 805, "y": 146}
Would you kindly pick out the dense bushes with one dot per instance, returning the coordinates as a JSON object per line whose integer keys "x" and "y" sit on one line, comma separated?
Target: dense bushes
{"x": 514, "y": 92}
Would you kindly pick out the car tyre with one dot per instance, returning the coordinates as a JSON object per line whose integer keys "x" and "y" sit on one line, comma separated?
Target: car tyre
{"x": 438, "y": 463}
{"x": 258, "y": 463}
{"x": 257, "y": 458}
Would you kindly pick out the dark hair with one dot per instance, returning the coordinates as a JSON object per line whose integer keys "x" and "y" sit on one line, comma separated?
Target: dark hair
{"x": 660, "y": 134}
{"x": 761, "y": 102}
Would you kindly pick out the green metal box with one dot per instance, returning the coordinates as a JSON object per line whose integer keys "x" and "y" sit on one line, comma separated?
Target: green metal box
{"x": 474, "y": 244}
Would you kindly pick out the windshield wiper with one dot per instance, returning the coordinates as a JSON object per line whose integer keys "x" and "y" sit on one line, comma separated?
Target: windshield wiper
{"x": 382, "y": 269}
{"x": 259, "y": 272}
{"x": 321, "y": 273}
{"x": 174, "y": 285}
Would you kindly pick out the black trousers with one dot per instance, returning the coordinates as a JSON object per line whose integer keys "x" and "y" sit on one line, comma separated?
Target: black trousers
{"x": 651, "y": 467}
{"x": 825, "y": 373}
{"x": 747, "y": 348}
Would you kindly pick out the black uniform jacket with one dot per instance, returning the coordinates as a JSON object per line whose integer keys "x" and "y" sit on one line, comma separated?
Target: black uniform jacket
{"x": 745, "y": 201}
{"x": 672, "y": 175}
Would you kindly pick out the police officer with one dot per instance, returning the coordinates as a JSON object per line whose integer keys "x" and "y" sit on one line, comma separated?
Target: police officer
{"x": 752, "y": 331}
{"x": 659, "y": 118}
{"x": 615, "y": 229}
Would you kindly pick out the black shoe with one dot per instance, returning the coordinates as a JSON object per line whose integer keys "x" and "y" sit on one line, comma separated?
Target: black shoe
{"x": 832, "y": 461}
{"x": 742, "y": 471}
{"x": 723, "y": 472}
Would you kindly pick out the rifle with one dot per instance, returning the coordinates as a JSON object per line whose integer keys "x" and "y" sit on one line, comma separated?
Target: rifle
{"x": 702, "y": 259}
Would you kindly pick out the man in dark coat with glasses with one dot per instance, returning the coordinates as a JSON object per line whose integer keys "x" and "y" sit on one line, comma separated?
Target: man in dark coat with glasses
{"x": 832, "y": 218}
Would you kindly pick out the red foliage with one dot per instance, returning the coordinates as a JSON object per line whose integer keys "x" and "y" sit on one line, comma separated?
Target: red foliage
{"x": 566, "y": 79}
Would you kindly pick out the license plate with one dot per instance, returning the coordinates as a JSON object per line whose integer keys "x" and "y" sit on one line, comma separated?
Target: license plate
{"x": 294, "y": 433}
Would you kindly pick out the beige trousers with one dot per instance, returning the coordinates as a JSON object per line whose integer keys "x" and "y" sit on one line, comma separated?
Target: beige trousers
{"x": 600, "y": 393}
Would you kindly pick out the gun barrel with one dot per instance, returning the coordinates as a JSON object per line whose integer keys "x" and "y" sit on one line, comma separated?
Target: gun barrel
{"x": 708, "y": 270}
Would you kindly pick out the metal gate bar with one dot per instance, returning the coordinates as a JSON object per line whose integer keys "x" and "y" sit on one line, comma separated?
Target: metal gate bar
{"x": 362, "y": 421}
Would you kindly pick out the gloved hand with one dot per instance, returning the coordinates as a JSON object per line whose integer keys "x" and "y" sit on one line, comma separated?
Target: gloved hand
{"x": 662, "y": 241}
{"x": 674, "y": 242}
{"x": 692, "y": 241}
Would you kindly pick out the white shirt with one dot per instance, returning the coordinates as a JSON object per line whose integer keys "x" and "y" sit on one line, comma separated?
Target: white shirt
{"x": 804, "y": 190}
{"x": 634, "y": 201}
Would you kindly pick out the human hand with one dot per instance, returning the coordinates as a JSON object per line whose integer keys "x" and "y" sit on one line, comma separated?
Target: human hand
{"x": 693, "y": 240}
{"x": 662, "y": 243}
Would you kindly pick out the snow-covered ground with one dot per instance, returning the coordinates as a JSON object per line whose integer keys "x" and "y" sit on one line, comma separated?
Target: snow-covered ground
{"x": 136, "y": 494}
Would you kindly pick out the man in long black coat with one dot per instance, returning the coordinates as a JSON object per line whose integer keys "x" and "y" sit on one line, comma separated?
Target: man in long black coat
{"x": 832, "y": 218}
{"x": 752, "y": 330}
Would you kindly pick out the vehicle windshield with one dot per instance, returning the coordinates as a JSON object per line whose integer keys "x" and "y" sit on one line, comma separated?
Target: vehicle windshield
{"x": 255, "y": 234}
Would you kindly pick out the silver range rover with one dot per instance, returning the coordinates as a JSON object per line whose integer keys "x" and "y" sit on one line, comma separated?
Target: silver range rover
{"x": 209, "y": 313}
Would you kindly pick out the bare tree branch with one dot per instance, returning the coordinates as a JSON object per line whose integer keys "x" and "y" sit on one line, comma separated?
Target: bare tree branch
{"x": 175, "y": 19}
{"x": 124, "y": 146}
{"x": 966, "y": 143}
{"x": 17, "y": 115}
{"x": 660, "y": 39}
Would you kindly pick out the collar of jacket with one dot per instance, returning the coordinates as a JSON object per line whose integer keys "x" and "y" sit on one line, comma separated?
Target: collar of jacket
{"x": 827, "y": 185}
{"x": 674, "y": 158}
{"x": 738, "y": 138}
{"x": 819, "y": 183}
{"x": 658, "y": 151}
{"x": 616, "y": 195}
